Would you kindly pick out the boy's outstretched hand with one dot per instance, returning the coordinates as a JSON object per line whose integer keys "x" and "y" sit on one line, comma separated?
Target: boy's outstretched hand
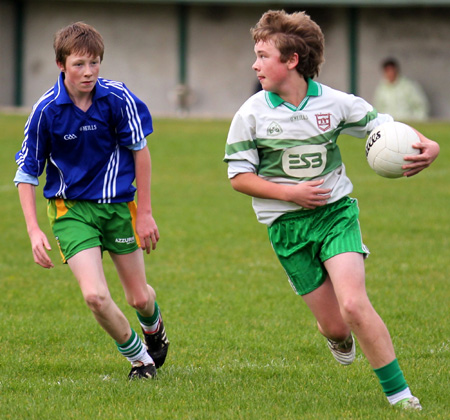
{"x": 429, "y": 151}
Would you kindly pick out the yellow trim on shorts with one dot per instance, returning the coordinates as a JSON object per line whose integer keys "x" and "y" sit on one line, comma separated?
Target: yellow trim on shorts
{"x": 64, "y": 260}
{"x": 61, "y": 208}
{"x": 133, "y": 211}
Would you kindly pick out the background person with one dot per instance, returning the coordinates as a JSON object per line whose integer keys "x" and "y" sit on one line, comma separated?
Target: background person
{"x": 399, "y": 96}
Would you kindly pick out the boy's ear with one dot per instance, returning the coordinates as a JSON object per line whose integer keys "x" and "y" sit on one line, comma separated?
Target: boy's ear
{"x": 293, "y": 61}
{"x": 61, "y": 66}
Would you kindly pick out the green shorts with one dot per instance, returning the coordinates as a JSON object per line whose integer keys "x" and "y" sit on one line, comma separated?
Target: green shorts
{"x": 303, "y": 240}
{"x": 80, "y": 225}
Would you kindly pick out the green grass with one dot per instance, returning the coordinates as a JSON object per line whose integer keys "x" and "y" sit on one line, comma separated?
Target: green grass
{"x": 243, "y": 345}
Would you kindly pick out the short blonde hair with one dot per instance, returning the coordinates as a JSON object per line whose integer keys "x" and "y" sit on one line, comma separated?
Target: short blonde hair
{"x": 293, "y": 33}
{"x": 78, "y": 37}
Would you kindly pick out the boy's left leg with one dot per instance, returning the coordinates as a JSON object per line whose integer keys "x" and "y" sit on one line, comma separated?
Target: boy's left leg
{"x": 142, "y": 297}
{"x": 87, "y": 267}
{"x": 347, "y": 274}
{"x": 323, "y": 304}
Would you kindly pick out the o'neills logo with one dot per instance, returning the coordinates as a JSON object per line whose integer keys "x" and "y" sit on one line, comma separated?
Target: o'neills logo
{"x": 323, "y": 121}
{"x": 274, "y": 129}
{"x": 371, "y": 140}
{"x": 129, "y": 240}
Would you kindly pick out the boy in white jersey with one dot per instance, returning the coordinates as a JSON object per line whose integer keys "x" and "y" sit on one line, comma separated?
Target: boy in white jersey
{"x": 90, "y": 133}
{"x": 281, "y": 150}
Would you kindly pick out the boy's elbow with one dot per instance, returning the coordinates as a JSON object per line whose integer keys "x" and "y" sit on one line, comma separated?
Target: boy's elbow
{"x": 239, "y": 182}
{"x": 234, "y": 183}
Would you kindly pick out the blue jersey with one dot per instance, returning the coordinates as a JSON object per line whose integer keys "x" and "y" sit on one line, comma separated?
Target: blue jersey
{"x": 88, "y": 154}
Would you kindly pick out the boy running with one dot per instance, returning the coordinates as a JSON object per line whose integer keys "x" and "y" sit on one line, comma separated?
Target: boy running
{"x": 91, "y": 133}
{"x": 282, "y": 150}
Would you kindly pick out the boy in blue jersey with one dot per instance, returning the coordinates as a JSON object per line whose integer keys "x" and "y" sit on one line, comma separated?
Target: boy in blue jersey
{"x": 282, "y": 151}
{"x": 90, "y": 133}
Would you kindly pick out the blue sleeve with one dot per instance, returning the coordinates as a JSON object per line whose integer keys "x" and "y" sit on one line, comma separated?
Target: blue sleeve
{"x": 136, "y": 123}
{"x": 32, "y": 156}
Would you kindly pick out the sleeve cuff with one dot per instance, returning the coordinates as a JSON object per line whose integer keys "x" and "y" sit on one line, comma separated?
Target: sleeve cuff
{"x": 138, "y": 146}
{"x": 236, "y": 167}
{"x": 23, "y": 177}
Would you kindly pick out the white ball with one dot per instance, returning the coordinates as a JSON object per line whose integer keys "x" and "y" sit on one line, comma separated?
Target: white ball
{"x": 386, "y": 147}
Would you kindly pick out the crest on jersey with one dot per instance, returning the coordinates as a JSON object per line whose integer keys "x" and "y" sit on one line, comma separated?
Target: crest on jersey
{"x": 323, "y": 121}
{"x": 274, "y": 129}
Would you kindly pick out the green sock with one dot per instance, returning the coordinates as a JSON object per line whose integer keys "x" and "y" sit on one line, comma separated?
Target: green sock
{"x": 150, "y": 324}
{"x": 391, "y": 378}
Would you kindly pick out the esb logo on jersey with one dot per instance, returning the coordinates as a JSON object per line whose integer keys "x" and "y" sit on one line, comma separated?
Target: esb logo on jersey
{"x": 305, "y": 161}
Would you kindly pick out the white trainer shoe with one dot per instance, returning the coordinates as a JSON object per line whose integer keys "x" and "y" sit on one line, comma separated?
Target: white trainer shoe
{"x": 412, "y": 403}
{"x": 344, "y": 352}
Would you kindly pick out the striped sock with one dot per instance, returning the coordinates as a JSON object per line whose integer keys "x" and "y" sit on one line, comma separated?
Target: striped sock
{"x": 134, "y": 350}
{"x": 150, "y": 325}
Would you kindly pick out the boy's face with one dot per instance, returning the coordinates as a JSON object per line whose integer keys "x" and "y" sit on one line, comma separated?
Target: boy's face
{"x": 81, "y": 73}
{"x": 271, "y": 72}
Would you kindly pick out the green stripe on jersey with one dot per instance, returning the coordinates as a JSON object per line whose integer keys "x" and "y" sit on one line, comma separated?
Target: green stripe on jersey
{"x": 362, "y": 122}
{"x": 240, "y": 146}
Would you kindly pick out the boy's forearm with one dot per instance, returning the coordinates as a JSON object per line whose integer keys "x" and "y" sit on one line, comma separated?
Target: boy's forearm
{"x": 27, "y": 195}
{"x": 254, "y": 186}
{"x": 143, "y": 170}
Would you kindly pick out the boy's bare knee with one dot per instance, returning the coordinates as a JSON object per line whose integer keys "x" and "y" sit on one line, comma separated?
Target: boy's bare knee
{"x": 151, "y": 292}
{"x": 140, "y": 304}
{"x": 144, "y": 301}
{"x": 96, "y": 302}
{"x": 353, "y": 311}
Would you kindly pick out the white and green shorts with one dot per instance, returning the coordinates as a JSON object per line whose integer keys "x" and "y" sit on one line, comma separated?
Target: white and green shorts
{"x": 303, "y": 240}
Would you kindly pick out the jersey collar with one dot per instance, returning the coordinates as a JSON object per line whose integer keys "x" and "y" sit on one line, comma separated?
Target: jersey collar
{"x": 314, "y": 89}
{"x": 62, "y": 97}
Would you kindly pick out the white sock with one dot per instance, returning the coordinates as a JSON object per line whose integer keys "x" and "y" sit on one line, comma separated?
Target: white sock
{"x": 402, "y": 395}
{"x": 151, "y": 329}
{"x": 142, "y": 357}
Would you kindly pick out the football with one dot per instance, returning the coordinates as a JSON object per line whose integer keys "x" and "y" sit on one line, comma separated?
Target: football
{"x": 386, "y": 146}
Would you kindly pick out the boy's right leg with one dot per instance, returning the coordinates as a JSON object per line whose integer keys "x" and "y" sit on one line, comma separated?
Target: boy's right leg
{"x": 87, "y": 267}
{"x": 347, "y": 274}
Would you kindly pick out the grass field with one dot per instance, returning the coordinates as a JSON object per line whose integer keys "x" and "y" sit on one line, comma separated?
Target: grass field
{"x": 243, "y": 345}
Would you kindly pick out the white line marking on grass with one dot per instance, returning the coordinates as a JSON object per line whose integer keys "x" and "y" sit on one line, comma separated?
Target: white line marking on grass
{"x": 5, "y": 188}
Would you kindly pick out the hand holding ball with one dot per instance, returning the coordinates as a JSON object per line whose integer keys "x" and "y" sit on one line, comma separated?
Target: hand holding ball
{"x": 386, "y": 147}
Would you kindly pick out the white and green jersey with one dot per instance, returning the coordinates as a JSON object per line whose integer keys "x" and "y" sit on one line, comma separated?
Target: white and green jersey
{"x": 288, "y": 145}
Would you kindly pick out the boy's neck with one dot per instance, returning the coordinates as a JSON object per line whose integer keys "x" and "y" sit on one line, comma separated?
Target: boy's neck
{"x": 83, "y": 102}
{"x": 295, "y": 91}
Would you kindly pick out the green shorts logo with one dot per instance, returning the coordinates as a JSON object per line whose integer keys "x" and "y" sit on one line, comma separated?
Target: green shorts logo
{"x": 130, "y": 240}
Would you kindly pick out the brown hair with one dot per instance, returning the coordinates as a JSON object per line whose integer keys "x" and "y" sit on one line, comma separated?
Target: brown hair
{"x": 293, "y": 33}
{"x": 78, "y": 37}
